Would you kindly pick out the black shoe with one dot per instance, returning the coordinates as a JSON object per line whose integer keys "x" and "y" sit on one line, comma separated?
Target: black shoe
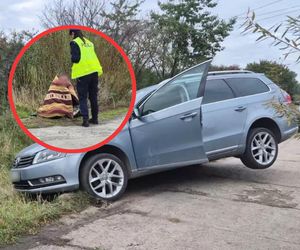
{"x": 85, "y": 123}
{"x": 93, "y": 121}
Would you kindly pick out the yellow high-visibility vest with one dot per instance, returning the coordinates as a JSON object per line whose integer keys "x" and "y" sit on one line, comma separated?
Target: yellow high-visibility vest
{"x": 89, "y": 62}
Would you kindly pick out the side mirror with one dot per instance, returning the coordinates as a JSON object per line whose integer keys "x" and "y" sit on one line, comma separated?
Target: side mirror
{"x": 136, "y": 112}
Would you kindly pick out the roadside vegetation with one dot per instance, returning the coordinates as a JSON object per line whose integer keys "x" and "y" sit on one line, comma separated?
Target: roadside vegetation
{"x": 51, "y": 55}
{"x": 21, "y": 215}
{"x": 160, "y": 43}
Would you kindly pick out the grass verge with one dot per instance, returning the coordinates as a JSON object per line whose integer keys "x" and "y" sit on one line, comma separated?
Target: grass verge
{"x": 20, "y": 215}
{"x": 39, "y": 122}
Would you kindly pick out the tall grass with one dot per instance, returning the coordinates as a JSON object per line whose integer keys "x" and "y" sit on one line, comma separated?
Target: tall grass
{"x": 20, "y": 215}
{"x": 37, "y": 68}
{"x": 51, "y": 55}
{"x": 12, "y": 139}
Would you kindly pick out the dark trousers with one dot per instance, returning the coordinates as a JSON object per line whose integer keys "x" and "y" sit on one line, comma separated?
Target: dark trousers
{"x": 87, "y": 87}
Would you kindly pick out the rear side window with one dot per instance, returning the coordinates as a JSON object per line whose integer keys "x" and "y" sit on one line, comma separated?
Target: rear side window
{"x": 247, "y": 86}
{"x": 216, "y": 90}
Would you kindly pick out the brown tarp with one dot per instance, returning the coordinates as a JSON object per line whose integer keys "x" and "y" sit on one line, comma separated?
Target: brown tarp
{"x": 60, "y": 99}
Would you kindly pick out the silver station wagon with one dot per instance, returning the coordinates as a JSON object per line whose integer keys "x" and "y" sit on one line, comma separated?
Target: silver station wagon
{"x": 191, "y": 118}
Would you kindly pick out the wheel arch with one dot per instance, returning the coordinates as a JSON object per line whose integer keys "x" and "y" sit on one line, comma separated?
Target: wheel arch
{"x": 265, "y": 122}
{"x": 269, "y": 123}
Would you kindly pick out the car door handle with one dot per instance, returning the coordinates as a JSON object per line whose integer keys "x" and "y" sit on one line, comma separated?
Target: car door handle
{"x": 240, "y": 108}
{"x": 189, "y": 115}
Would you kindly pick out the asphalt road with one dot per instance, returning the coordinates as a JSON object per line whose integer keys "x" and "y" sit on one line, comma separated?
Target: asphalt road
{"x": 76, "y": 137}
{"x": 220, "y": 205}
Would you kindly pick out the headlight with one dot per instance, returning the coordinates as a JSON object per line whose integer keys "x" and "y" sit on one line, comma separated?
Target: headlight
{"x": 47, "y": 155}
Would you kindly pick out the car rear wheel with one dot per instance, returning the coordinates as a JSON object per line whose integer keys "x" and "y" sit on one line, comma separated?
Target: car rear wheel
{"x": 261, "y": 149}
{"x": 104, "y": 176}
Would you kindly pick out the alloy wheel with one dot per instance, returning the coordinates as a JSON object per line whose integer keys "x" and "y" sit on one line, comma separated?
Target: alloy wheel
{"x": 263, "y": 148}
{"x": 106, "y": 178}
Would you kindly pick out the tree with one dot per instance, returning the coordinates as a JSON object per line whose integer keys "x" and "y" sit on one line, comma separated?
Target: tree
{"x": 143, "y": 48}
{"x": 278, "y": 73}
{"x": 10, "y": 45}
{"x": 80, "y": 12}
{"x": 181, "y": 35}
{"x": 286, "y": 34}
{"x": 118, "y": 21}
{"x": 121, "y": 21}
{"x": 188, "y": 34}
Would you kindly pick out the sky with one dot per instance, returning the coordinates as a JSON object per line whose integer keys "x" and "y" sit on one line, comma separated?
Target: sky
{"x": 239, "y": 49}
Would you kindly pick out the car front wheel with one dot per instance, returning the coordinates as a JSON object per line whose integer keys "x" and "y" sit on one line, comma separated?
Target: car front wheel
{"x": 261, "y": 149}
{"x": 104, "y": 176}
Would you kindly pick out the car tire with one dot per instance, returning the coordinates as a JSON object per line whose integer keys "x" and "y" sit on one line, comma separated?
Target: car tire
{"x": 261, "y": 152}
{"x": 104, "y": 176}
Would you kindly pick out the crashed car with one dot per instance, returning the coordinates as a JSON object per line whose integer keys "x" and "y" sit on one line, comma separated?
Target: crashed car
{"x": 192, "y": 118}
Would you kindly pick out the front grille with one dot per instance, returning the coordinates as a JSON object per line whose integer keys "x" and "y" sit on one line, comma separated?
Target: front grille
{"x": 22, "y": 162}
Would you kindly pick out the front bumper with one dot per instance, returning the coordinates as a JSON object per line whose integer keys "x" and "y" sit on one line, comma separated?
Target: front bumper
{"x": 23, "y": 179}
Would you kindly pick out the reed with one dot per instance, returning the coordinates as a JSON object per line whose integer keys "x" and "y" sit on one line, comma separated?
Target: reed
{"x": 51, "y": 55}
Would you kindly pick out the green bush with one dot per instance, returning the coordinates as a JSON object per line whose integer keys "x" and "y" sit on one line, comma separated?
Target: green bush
{"x": 12, "y": 139}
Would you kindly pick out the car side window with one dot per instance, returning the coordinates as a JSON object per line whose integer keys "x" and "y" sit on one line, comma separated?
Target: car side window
{"x": 216, "y": 90}
{"x": 181, "y": 89}
{"x": 247, "y": 86}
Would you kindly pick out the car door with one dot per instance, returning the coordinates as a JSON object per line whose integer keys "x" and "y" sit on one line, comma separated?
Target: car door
{"x": 168, "y": 132}
{"x": 223, "y": 118}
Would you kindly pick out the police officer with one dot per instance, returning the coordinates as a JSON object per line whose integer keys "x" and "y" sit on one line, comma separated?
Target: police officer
{"x": 85, "y": 69}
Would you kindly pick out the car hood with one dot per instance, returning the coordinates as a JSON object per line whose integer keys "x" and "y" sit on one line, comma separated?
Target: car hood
{"x": 34, "y": 148}
{"x": 31, "y": 150}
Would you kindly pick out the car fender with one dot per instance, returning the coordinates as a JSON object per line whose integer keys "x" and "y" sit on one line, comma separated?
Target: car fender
{"x": 250, "y": 121}
{"x": 122, "y": 142}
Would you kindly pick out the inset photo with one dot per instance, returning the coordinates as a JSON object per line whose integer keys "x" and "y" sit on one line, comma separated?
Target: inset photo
{"x": 72, "y": 89}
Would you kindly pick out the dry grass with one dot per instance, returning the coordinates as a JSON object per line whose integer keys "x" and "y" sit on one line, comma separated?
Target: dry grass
{"x": 51, "y": 55}
{"x": 20, "y": 215}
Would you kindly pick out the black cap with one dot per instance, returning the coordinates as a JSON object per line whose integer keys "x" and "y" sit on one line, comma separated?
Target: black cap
{"x": 73, "y": 30}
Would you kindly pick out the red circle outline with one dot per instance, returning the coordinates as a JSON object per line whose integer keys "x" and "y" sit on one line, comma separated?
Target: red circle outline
{"x": 10, "y": 89}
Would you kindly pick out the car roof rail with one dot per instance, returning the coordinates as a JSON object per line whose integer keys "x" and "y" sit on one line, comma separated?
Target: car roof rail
{"x": 227, "y": 72}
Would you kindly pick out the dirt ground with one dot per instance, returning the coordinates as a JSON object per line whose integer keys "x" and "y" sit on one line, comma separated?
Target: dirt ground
{"x": 220, "y": 205}
{"x": 75, "y": 137}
